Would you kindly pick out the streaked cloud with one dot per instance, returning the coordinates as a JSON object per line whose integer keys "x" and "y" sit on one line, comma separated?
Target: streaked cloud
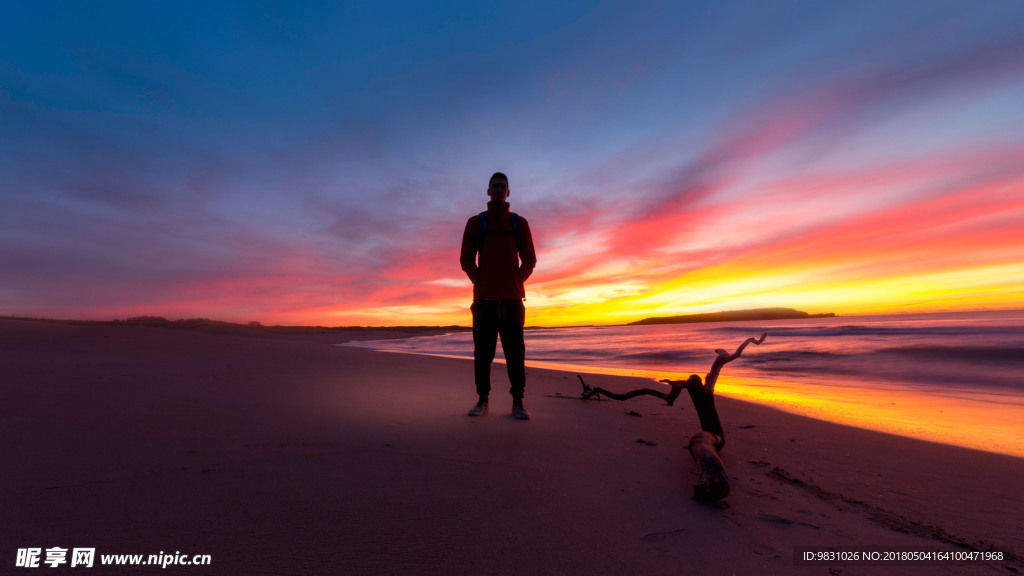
{"x": 316, "y": 163}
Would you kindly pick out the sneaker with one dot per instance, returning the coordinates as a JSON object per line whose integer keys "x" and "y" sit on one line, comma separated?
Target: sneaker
{"x": 480, "y": 409}
{"x": 519, "y": 412}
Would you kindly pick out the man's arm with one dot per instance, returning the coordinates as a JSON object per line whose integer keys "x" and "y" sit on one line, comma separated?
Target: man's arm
{"x": 527, "y": 254}
{"x": 468, "y": 256}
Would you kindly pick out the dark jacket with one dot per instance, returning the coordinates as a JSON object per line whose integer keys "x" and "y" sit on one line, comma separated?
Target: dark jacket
{"x": 501, "y": 269}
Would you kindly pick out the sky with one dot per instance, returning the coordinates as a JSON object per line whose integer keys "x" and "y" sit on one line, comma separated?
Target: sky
{"x": 316, "y": 162}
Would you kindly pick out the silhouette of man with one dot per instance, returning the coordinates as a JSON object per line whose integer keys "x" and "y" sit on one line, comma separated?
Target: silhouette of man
{"x": 506, "y": 259}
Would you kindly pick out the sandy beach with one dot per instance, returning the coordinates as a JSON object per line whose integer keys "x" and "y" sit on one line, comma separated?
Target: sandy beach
{"x": 284, "y": 454}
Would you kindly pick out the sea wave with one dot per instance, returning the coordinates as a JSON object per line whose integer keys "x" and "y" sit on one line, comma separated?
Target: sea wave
{"x": 955, "y": 352}
{"x": 661, "y": 357}
{"x": 1009, "y": 354}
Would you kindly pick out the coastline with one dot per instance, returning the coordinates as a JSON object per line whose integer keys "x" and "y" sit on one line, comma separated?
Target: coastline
{"x": 936, "y": 377}
{"x": 284, "y": 454}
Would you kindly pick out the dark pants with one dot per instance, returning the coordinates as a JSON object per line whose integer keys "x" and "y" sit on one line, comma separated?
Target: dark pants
{"x": 491, "y": 318}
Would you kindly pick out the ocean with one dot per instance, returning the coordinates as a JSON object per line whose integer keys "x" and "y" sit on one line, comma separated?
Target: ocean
{"x": 956, "y": 378}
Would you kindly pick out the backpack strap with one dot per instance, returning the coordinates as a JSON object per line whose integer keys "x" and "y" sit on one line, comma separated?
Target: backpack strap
{"x": 515, "y": 228}
{"x": 482, "y": 231}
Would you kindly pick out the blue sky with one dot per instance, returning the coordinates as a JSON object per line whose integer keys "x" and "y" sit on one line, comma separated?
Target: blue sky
{"x": 315, "y": 162}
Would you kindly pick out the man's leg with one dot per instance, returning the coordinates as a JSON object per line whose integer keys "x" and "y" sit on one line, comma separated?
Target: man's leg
{"x": 485, "y": 339}
{"x": 514, "y": 346}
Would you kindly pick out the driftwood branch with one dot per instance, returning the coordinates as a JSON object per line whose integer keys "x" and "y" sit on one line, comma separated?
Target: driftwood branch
{"x": 713, "y": 482}
{"x": 724, "y": 358}
{"x": 704, "y": 446}
{"x": 669, "y": 398}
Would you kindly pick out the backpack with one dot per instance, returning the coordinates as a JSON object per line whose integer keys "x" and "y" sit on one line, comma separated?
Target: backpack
{"x": 483, "y": 230}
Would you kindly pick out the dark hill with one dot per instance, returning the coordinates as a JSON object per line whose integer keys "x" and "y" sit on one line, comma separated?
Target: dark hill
{"x": 734, "y": 316}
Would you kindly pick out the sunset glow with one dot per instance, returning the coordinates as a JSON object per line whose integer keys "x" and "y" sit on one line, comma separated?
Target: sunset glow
{"x": 298, "y": 165}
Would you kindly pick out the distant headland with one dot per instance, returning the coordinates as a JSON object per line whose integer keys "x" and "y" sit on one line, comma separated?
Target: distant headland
{"x": 733, "y": 316}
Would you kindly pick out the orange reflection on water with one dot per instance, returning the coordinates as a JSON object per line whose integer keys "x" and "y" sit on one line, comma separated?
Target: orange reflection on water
{"x": 981, "y": 421}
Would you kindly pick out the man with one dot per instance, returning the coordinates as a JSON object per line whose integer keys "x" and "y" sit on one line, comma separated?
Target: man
{"x": 506, "y": 260}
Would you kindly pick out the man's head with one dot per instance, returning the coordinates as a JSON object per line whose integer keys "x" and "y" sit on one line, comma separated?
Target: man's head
{"x": 497, "y": 188}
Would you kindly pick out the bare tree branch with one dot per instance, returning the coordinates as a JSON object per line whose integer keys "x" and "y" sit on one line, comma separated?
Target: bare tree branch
{"x": 724, "y": 358}
{"x": 677, "y": 388}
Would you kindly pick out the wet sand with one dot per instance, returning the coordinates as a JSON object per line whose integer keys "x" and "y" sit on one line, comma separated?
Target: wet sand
{"x": 284, "y": 454}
